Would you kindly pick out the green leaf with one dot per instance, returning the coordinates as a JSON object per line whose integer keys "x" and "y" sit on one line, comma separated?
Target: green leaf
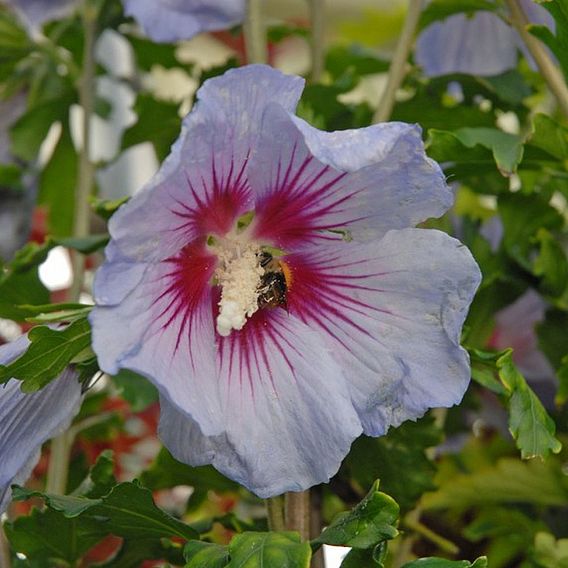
{"x": 48, "y": 355}
{"x": 167, "y": 472}
{"x": 30, "y": 130}
{"x": 529, "y": 423}
{"x": 551, "y": 336}
{"x": 551, "y": 264}
{"x": 509, "y": 481}
{"x": 106, "y": 208}
{"x": 371, "y": 522}
{"x": 127, "y": 511}
{"x": 72, "y": 506}
{"x": 557, "y": 42}
{"x": 353, "y": 59}
{"x": 510, "y": 86}
{"x": 86, "y": 245}
{"x": 258, "y": 550}
{"x": 432, "y": 562}
{"x": 138, "y": 391}
{"x": 399, "y": 458}
{"x": 158, "y": 122}
{"x": 18, "y": 288}
{"x": 280, "y": 32}
{"x": 523, "y": 216}
{"x": 432, "y": 108}
{"x": 477, "y": 146}
{"x": 136, "y": 552}
{"x": 200, "y": 554}
{"x": 358, "y": 557}
{"x": 48, "y": 534}
{"x": 100, "y": 479}
{"x": 67, "y": 316}
{"x": 321, "y": 105}
{"x": 148, "y": 53}
{"x": 550, "y": 136}
{"x": 11, "y": 178}
{"x": 30, "y": 255}
{"x": 549, "y": 552}
{"x": 562, "y": 373}
{"x": 57, "y": 186}
{"x": 494, "y": 522}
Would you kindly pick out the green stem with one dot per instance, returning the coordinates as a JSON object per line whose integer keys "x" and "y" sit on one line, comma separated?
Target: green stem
{"x": 397, "y": 70}
{"x": 441, "y": 542}
{"x": 255, "y": 33}
{"x": 61, "y": 445}
{"x": 86, "y": 169}
{"x": 275, "y": 512}
{"x": 551, "y": 73}
{"x": 297, "y": 507}
{"x": 316, "y": 524}
{"x": 58, "y": 469}
{"x": 317, "y": 16}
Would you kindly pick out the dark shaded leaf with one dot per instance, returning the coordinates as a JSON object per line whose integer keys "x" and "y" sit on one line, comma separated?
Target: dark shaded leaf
{"x": 158, "y": 122}
{"x": 167, "y": 472}
{"x": 51, "y": 535}
{"x": 398, "y": 458}
{"x": 57, "y": 186}
{"x": 138, "y": 391}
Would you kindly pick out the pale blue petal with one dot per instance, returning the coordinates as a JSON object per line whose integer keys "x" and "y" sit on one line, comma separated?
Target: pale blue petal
{"x": 168, "y": 338}
{"x": 364, "y": 181}
{"x": 28, "y": 420}
{"x": 36, "y": 12}
{"x": 391, "y": 313}
{"x": 480, "y": 45}
{"x": 209, "y": 158}
{"x": 287, "y": 420}
{"x": 515, "y": 327}
{"x": 173, "y": 20}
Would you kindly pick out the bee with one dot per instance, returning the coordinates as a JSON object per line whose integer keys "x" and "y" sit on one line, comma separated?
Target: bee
{"x": 274, "y": 283}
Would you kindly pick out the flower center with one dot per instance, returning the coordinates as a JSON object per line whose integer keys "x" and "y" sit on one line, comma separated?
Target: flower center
{"x": 239, "y": 274}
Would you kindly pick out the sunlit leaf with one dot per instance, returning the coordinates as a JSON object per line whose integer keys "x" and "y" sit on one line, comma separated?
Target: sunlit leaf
{"x": 372, "y": 521}
{"x": 257, "y": 550}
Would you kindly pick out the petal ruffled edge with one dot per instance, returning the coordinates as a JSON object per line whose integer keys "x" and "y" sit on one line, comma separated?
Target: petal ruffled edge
{"x": 364, "y": 182}
{"x": 287, "y": 416}
{"x": 392, "y": 314}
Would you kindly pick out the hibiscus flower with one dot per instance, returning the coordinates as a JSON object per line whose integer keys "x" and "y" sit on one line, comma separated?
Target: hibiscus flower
{"x": 479, "y": 44}
{"x": 269, "y": 282}
{"x": 173, "y": 20}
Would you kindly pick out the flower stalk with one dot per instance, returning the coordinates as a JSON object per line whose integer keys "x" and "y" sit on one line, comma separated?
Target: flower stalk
{"x": 317, "y": 16}
{"x": 551, "y": 73}
{"x": 61, "y": 445}
{"x": 255, "y": 33}
{"x": 298, "y": 512}
{"x": 275, "y": 513}
{"x": 397, "y": 70}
